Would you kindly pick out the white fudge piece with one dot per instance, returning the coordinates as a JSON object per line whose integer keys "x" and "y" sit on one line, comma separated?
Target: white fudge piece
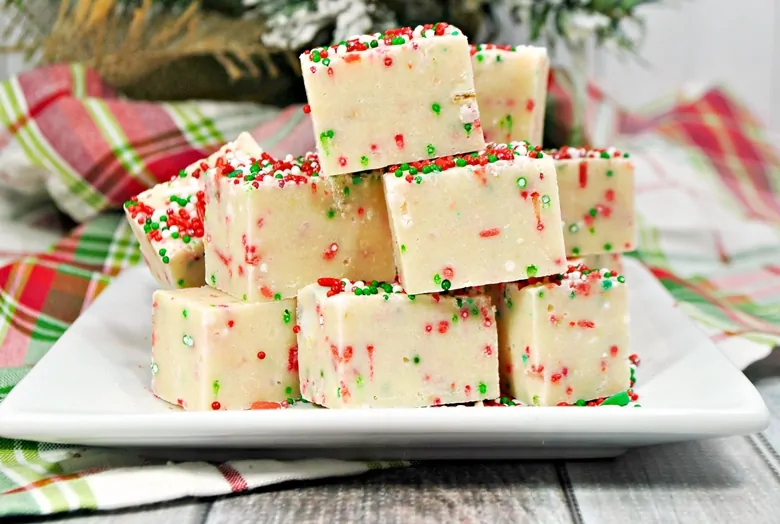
{"x": 274, "y": 226}
{"x": 596, "y": 188}
{"x": 211, "y": 351}
{"x": 564, "y": 338}
{"x": 167, "y": 219}
{"x": 371, "y": 345}
{"x": 403, "y": 95}
{"x": 511, "y": 84}
{"x": 475, "y": 219}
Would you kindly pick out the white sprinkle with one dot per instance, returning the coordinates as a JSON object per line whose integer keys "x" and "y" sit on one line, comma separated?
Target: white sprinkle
{"x": 509, "y": 265}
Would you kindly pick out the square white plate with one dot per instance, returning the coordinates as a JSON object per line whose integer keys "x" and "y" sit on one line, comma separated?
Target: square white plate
{"x": 92, "y": 388}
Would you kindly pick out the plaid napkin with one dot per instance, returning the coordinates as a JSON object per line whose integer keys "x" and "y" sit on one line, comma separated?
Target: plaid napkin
{"x": 707, "y": 197}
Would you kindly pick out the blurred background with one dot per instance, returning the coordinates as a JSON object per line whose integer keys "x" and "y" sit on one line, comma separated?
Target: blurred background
{"x": 637, "y": 51}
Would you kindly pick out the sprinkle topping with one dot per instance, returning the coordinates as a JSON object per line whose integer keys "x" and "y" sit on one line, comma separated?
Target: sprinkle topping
{"x": 322, "y": 56}
{"x": 571, "y": 153}
{"x": 358, "y": 287}
{"x": 413, "y": 171}
{"x": 268, "y": 171}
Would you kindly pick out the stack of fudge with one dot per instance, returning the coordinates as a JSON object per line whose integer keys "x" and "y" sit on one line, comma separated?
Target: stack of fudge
{"x": 406, "y": 263}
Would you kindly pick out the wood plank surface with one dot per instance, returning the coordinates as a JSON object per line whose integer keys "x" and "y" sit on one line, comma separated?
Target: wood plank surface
{"x": 495, "y": 492}
{"x": 716, "y": 481}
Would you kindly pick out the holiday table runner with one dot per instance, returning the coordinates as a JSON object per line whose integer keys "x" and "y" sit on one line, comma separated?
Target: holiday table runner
{"x": 709, "y": 229}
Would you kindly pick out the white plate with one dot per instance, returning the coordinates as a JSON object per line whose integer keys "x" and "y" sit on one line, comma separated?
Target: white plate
{"x": 92, "y": 388}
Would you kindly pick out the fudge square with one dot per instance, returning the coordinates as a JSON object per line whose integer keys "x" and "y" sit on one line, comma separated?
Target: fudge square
{"x": 371, "y": 345}
{"x": 511, "y": 84}
{"x": 399, "y": 96}
{"x": 211, "y": 351}
{"x": 167, "y": 219}
{"x": 564, "y": 338}
{"x": 475, "y": 219}
{"x": 274, "y": 226}
{"x": 596, "y": 187}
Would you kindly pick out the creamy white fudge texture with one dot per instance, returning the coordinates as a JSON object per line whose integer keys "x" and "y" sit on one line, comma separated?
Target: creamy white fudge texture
{"x": 274, "y": 226}
{"x": 511, "y": 83}
{"x": 167, "y": 220}
{"x": 403, "y": 95}
{"x": 371, "y": 345}
{"x": 564, "y": 338}
{"x": 475, "y": 219}
{"x": 611, "y": 261}
{"x": 596, "y": 187}
{"x": 213, "y": 352}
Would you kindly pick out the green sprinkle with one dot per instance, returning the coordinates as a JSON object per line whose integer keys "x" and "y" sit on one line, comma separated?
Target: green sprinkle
{"x": 446, "y": 284}
{"x": 412, "y": 170}
{"x": 399, "y": 173}
{"x": 606, "y": 284}
{"x": 467, "y": 127}
{"x": 580, "y": 402}
{"x": 166, "y": 260}
{"x": 213, "y": 279}
{"x": 403, "y": 248}
{"x": 175, "y": 234}
{"x": 480, "y": 58}
{"x": 531, "y": 270}
{"x": 411, "y": 297}
{"x": 215, "y": 388}
{"x": 373, "y": 44}
{"x": 180, "y": 282}
{"x": 331, "y": 213}
{"x": 573, "y": 228}
{"x": 618, "y": 399}
{"x": 288, "y": 390}
{"x": 184, "y": 313}
{"x": 315, "y": 56}
{"x": 431, "y": 150}
{"x": 461, "y": 162}
{"x": 162, "y": 252}
{"x": 186, "y": 239}
{"x": 155, "y": 368}
{"x": 535, "y": 400}
{"x": 498, "y": 58}
{"x": 346, "y": 191}
{"x": 575, "y": 251}
{"x": 436, "y": 108}
{"x": 607, "y": 247}
{"x": 540, "y": 294}
{"x": 437, "y": 279}
{"x": 621, "y": 279}
{"x": 492, "y": 158}
{"x": 482, "y": 388}
{"x": 509, "y": 303}
{"x": 326, "y": 62}
{"x": 416, "y": 359}
{"x": 525, "y": 358}
{"x": 610, "y": 172}
{"x": 183, "y": 173}
{"x": 604, "y": 154}
{"x": 277, "y": 296}
{"x": 356, "y": 179}
{"x": 187, "y": 340}
{"x": 359, "y": 380}
{"x": 364, "y": 163}
{"x": 593, "y": 212}
{"x": 521, "y": 182}
{"x": 286, "y": 316}
{"x": 545, "y": 201}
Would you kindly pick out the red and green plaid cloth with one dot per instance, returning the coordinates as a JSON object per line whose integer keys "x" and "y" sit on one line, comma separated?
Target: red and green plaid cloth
{"x": 709, "y": 228}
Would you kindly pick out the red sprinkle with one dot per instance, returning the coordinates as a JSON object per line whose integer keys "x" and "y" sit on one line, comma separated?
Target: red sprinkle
{"x": 261, "y": 355}
{"x": 487, "y": 233}
{"x": 307, "y": 109}
{"x": 216, "y": 405}
{"x": 399, "y": 141}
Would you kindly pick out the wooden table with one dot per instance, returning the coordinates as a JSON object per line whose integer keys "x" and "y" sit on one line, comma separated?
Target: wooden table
{"x": 731, "y": 480}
